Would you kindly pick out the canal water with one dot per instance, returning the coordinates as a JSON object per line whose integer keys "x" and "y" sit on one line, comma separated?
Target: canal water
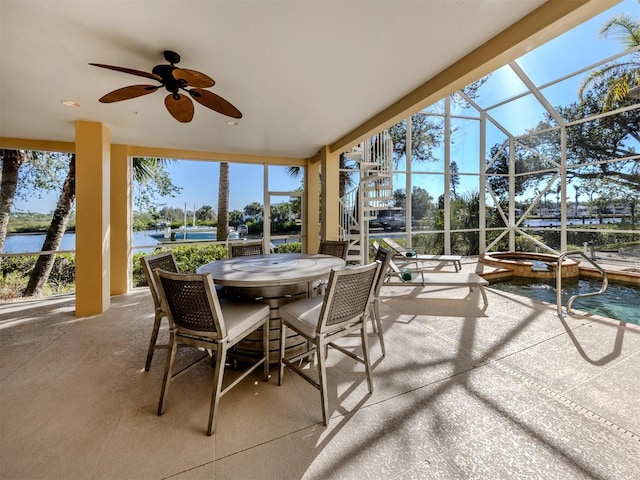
{"x": 32, "y": 242}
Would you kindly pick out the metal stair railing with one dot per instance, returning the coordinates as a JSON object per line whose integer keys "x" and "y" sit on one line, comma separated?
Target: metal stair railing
{"x": 605, "y": 281}
{"x": 348, "y": 221}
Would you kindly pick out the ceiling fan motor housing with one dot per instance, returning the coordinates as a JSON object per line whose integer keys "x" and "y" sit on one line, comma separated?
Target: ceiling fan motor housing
{"x": 168, "y": 80}
{"x": 171, "y": 57}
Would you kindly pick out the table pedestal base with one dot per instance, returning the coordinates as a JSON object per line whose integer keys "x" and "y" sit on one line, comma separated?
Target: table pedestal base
{"x": 274, "y": 296}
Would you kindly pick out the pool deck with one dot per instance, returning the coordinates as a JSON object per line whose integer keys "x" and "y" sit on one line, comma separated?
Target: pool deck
{"x": 510, "y": 391}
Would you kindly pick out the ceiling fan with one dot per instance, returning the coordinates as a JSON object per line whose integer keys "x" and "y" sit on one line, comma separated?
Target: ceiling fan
{"x": 173, "y": 79}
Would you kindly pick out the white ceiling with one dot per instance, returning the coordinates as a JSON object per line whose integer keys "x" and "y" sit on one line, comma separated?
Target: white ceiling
{"x": 303, "y": 72}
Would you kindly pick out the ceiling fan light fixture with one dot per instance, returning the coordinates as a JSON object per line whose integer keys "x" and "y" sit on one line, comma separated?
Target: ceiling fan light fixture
{"x": 232, "y": 123}
{"x": 70, "y": 103}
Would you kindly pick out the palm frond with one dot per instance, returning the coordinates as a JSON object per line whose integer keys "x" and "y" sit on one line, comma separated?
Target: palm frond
{"x": 625, "y": 28}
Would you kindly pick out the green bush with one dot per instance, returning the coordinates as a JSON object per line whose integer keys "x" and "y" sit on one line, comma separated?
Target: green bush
{"x": 290, "y": 247}
{"x": 188, "y": 258}
{"x": 12, "y": 285}
{"x": 525, "y": 244}
{"x": 22, "y": 264}
{"x": 16, "y": 271}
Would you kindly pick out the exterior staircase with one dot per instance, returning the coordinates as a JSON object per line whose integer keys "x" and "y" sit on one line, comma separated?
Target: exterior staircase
{"x": 373, "y": 193}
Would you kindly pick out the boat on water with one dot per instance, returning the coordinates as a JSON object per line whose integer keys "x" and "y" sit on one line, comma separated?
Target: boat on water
{"x": 185, "y": 234}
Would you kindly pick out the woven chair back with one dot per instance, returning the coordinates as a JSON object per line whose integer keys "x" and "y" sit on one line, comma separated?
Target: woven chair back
{"x": 191, "y": 302}
{"x": 336, "y": 248}
{"x": 163, "y": 261}
{"x": 348, "y": 295}
{"x": 384, "y": 256}
{"x": 245, "y": 249}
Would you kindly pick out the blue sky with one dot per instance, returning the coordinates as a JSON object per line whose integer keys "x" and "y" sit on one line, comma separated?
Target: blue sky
{"x": 574, "y": 50}
{"x": 199, "y": 182}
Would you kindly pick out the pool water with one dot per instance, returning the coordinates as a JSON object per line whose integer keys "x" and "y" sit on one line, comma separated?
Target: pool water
{"x": 620, "y": 302}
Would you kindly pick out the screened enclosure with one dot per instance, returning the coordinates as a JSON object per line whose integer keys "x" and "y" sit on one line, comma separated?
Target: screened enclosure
{"x": 541, "y": 155}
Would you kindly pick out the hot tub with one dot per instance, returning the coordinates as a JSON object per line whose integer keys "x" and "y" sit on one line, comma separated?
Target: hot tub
{"x": 531, "y": 265}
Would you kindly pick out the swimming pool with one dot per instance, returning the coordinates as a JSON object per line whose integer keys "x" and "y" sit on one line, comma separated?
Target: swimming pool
{"x": 621, "y": 302}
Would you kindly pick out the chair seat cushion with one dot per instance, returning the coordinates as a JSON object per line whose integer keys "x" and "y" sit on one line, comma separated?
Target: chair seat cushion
{"x": 240, "y": 316}
{"x": 302, "y": 315}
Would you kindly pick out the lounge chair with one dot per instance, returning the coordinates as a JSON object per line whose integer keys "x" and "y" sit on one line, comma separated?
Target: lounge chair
{"x": 412, "y": 273}
{"x": 402, "y": 253}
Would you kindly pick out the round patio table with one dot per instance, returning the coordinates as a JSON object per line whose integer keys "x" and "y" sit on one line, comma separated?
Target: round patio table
{"x": 275, "y": 279}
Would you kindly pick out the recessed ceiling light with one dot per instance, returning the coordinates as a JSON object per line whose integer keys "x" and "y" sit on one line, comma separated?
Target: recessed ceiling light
{"x": 232, "y": 123}
{"x": 70, "y": 103}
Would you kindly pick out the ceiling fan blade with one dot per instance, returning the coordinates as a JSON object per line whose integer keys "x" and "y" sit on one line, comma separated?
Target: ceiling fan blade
{"x": 214, "y": 102}
{"x": 126, "y": 93}
{"x": 179, "y": 106}
{"x": 131, "y": 71}
{"x": 193, "y": 78}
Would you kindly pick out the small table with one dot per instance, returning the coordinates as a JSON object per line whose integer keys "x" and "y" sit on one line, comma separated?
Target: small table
{"x": 275, "y": 279}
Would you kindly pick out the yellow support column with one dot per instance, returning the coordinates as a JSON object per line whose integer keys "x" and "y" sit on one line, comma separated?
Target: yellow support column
{"x": 312, "y": 203}
{"x": 93, "y": 249}
{"x": 330, "y": 165}
{"x": 121, "y": 252}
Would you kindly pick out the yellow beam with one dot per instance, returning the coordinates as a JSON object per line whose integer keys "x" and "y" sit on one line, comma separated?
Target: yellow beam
{"x": 137, "y": 151}
{"x": 214, "y": 156}
{"x": 36, "y": 145}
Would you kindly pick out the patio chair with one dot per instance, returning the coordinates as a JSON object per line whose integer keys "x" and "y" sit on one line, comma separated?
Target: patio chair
{"x": 323, "y": 319}
{"x": 245, "y": 249}
{"x": 336, "y": 248}
{"x": 402, "y": 253}
{"x": 404, "y": 275}
{"x": 198, "y": 319}
{"x": 384, "y": 257}
{"x": 165, "y": 261}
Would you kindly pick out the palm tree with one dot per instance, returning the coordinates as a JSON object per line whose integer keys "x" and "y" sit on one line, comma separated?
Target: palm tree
{"x": 12, "y": 160}
{"x": 619, "y": 77}
{"x": 144, "y": 170}
{"x": 345, "y": 176}
{"x": 53, "y": 239}
{"x": 222, "y": 232}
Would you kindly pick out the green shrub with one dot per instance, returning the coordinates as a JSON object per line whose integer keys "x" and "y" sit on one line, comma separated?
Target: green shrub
{"x": 188, "y": 258}
{"x": 290, "y": 247}
{"x": 525, "y": 244}
{"x": 22, "y": 264}
{"x": 12, "y": 285}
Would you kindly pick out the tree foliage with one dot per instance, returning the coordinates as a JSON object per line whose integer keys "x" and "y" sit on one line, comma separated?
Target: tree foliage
{"x": 618, "y": 76}
{"x": 421, "y": 202}
{"x": 454, "y": 178}
{"x": 151, "y": 182}
{"x": 253, "y": 210}
{"x": 205, "y": 213}
{"x": 427, "y": 131}
{"x": 53, "y": 238}
{"x": 426, "y": 136}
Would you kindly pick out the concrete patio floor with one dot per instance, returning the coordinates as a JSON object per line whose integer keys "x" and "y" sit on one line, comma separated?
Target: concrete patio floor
{"x": 508, "y": 392}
